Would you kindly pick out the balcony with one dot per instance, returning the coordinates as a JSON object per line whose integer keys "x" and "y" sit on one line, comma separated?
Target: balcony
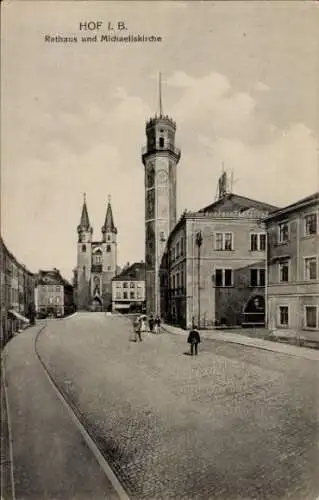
{"x": 156, "y": 149}
{"x": 96, "y": 268}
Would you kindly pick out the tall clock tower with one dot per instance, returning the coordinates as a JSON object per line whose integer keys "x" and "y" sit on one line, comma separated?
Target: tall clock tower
{"x": 160, "y": 157}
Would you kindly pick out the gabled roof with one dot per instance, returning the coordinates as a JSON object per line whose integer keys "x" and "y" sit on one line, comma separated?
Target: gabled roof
{"x": 109, "y": 226}
{"x": 312, "y": 199}
{"x": 234, "y": 202}
{"x": 135, "y": 272}
{"x": 51, "y": 277}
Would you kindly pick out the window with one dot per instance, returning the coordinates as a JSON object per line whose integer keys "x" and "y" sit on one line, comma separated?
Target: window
{"x": 223, "y": 241}
{"x": 283, "y": 316}
{"x": 310, "y": 224}
{"x": 311, "y": 317}
{"x": 57, "y": 288}
{"x": 50, "y": 300}
{"x": 57, "y": 300}
{"x": 177, "y": 249}
{"x": 228, "y": 277}
{"x": 108, "y": 237}
{"x": 108, "y": 248}
{"x": 83, "y": 248}
{"x": 132, "y": 284}
{"x": 118, "y": 294}
{"x": 124, "y": 295}
{"x": 109, "y": 268}
{"x": 132, "y": 294}
{"x": 224, "y": 277}
{"x": 228, "y": 241}
{"x": 139, "y": 292}
{"x": 257, "y": 277}
{"x": 257, "y": 242}
{"x": 284, "y": 271}
{"x": 219, "y": 241}
{"x": 283, "y": 232}
{"x": 311, "y": 268}
{"x": 161, "y": 142}
{"x": 182, "y": 246}
{"x": 125, "y": 285}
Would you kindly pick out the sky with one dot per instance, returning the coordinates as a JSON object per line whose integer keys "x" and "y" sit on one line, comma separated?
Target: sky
{"x": 239, "y": 78}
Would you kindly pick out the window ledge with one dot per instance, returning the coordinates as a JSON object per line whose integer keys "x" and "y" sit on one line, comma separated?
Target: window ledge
{"x": 281, "y": 243}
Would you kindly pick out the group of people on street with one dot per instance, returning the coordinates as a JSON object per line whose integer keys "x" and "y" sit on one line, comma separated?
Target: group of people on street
{"x": 143, "y": 324}
{"x": 152, "y": 324}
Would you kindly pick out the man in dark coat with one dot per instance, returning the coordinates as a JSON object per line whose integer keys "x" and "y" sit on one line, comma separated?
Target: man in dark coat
{"x": 151, "y": 322}
{"x": 193, "y": 340}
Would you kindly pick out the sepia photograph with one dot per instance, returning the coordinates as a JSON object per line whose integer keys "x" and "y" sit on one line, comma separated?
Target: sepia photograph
{"x": 159, "y": 250}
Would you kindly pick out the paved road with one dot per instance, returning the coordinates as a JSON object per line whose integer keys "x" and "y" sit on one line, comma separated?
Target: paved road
{"x": 233, "y": 423}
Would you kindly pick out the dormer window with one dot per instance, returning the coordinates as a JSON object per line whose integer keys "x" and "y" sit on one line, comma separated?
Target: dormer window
{"x": 161, "y": 142}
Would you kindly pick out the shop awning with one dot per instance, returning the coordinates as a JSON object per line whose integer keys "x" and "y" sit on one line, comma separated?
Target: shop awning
{"x": 19, "y": 316}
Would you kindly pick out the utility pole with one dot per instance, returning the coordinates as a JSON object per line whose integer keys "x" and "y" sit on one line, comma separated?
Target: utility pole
{"x": 199, "y": 241}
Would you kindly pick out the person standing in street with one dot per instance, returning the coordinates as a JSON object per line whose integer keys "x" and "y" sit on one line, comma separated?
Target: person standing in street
{"x": 194, "y": 340}
{"x": 157, "y": 324}
{"x": 151, "y": 323}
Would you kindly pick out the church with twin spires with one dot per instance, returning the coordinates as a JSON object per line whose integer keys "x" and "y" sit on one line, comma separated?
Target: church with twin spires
{"x": 96, "y": 263}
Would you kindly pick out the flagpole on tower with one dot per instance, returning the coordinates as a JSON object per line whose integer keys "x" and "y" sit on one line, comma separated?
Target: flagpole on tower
{"x": 160, "y": 94}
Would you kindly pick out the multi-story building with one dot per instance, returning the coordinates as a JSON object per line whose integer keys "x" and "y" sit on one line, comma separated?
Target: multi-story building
{"x": 160, "y": 158}
{"x": 293, "y": 276}
{"x": 96, "y": 263}
{"x": 128, "y": 289}
{"x": 16, "y": 294}
{"x": 53, "y": 294}
{"x": 213, "y": 270}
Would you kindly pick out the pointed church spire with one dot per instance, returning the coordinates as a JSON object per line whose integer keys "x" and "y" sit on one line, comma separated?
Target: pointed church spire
{"x": 160, "y": 94}
{"x": 85, "y": 222}
{"x": 109, "y": 226}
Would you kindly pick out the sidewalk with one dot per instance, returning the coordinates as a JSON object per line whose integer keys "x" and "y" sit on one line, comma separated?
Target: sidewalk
{"x": 46, "y": 442}
{"x": 231, "y": 336}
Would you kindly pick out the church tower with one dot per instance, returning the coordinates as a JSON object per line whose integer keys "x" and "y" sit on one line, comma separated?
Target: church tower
{"x": 109, "y": 259}
{"x": 160, "y": 158}
{"x": 85, "y": 232}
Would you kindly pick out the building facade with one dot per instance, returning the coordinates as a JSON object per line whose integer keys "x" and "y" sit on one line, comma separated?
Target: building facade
{"x": 96, "y": 263}
{"x": 128, "y": 289}
{"x": 17, "y": 286}
{"x": 293, "y": 277}
{"x": 53, "y": 295}
{"x": 213, "y": 270}
{"x": 160, "y": 158}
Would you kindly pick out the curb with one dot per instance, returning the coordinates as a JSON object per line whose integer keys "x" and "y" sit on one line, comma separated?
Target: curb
{"x": 252, "y": 345}
{"x": 118, "y": 488}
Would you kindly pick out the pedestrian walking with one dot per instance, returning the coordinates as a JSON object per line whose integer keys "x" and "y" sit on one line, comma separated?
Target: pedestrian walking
{"x": 143, "y": 324}
{"x": 157, "y": 324}
{"x": 137, "y": 330}
{"x": 151, "y": 322}
{"x": 194, "y": 340}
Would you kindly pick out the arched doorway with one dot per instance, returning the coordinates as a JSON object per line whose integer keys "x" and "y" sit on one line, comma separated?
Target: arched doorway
{"x": 97, "y": 304}
{"x": 254, "y": 311}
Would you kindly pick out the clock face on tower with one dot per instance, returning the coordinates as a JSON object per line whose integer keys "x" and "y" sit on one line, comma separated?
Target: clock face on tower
{"x": 162, "y": 178}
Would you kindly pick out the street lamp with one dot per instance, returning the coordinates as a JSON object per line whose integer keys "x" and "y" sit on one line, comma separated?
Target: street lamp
{"x": 198, "y": 241}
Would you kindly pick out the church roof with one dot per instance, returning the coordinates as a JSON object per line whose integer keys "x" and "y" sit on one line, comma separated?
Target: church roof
{"x": 85, "y": 222}
{"x": 109, "y": 226}
{"x": 235, "y": 203}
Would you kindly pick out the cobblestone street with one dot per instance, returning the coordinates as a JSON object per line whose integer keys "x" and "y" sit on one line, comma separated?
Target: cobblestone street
{"x": 233, "y": 423}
